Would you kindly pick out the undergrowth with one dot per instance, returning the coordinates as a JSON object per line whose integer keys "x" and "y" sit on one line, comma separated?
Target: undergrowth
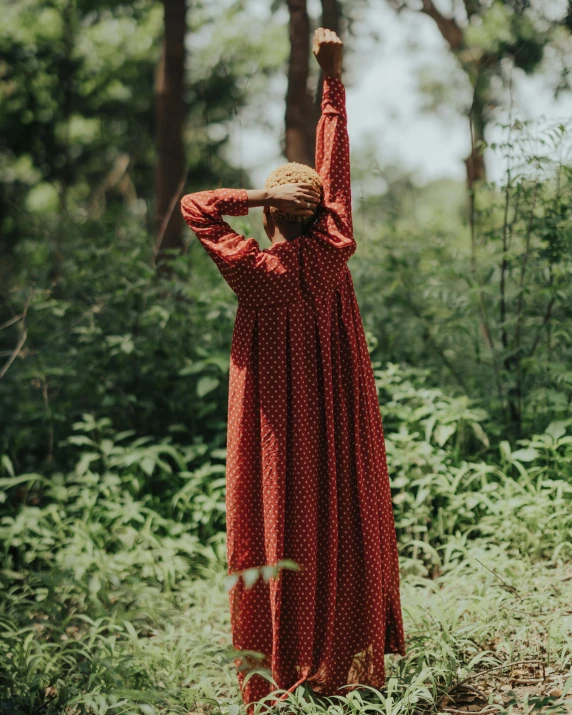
{"x": 113, "y": 591}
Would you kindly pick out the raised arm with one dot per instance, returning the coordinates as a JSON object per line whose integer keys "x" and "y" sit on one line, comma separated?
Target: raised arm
{"x": 334, "y": 226}
{"x": 332, "y": 142}
{"x": 332, "y": 146}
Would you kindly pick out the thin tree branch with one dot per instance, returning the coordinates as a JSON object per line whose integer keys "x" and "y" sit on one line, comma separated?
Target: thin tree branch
{"x": 10, "y": 322}
{"x": 167, "y": 215}
{"x": 447, "y": 26}
{"x": 46, "y": 399}
{"x": 21, "y": 341}
{"x": 481, "y": 673}
{"x": 547, "y": 316}
{"x": 520, "y": 302}
{"x": 508, "y": 587}
{"x": 473, "y": 226}
{"x": 504, "y": 267}
{"x": 15, "y": 353}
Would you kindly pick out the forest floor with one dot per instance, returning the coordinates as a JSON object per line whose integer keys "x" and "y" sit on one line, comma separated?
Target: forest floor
{"x": 489, "y": 631}
{"x": 491, "y": 634}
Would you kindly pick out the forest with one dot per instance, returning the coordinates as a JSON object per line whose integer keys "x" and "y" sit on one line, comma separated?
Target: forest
{"x": 115, "y": 330}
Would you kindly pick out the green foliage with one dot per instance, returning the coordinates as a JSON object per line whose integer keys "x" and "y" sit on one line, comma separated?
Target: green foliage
{"x": 441, "y": 499}
{"x": 479, "y": 290}
{"x": 492, "y": 43}
{"x": 102, "y": 596}
{"x": 511, "y": 30}
{"x": 77, "y": 117}
{"x": 92, "y": 560}
{"x": 110, "y": 337}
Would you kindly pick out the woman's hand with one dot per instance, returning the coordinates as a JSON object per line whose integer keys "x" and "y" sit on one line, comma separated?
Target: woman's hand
{"x": 328, "y": 50}
{"x": 299, "y": 199}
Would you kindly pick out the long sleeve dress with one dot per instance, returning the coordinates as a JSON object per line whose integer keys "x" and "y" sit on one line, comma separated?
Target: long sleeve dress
{"x": 306, "y": 470}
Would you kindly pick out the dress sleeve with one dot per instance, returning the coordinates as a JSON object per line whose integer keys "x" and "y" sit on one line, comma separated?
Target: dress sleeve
{"x": 333, "y": 166}
{"x": 203, "y": 212}
{"x": 330, "y": 241}
{"x": 254, "y": 275}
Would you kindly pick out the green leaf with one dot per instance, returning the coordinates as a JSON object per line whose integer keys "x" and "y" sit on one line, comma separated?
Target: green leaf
{"x": 207, "y": 384}
{"x": 80, "y": 440}
{"x": 556, "y": 430}
{"x": 268, "y": 572}
{"x": 192, "y": 368}
{"x": 480, "y": 434}
{"x": 288, "y": 564}
{"x": 525, "y": 455}
{"x": 148, "y": 465}
{"x": 85, "y": 460}
{"x": 127, "y": 345}
{"x": 7, "y": 464}
{"x": 7, "y": 483}
{"x": 230, "y": 581}
{"x": 505, "y": 449}
{"x": 443, "y": 432}
{"x": 250, "y": 577}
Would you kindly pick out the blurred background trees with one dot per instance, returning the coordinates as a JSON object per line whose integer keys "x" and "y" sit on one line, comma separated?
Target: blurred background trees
{"x": 111, "y": 110}
{"x": 91, "y": 112}
{"x": 488, "y": 40}
{"x": 303, "y": 109}
{"x": 300, "y": 118}
{"x": 170, "y": 170}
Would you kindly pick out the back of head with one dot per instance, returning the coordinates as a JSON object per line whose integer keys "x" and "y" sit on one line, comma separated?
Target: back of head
{"x": 293, "y": 173}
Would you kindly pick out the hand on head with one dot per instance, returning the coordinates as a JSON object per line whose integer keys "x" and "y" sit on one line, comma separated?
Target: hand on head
{"x": 300, "y": 199}
{"x": 328, "y": 50}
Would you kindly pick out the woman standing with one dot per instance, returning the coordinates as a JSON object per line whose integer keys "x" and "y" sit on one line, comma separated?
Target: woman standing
{"x": 306, "y": 472}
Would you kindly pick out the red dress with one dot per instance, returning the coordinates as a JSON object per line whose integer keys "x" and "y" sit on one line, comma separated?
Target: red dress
{"x": 306, "y": 471}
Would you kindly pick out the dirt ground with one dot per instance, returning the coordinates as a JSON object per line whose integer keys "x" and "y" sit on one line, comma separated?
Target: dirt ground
{"x": 528, "y": 688}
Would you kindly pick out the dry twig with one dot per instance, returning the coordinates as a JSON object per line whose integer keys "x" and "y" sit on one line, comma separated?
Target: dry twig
{"x": 21, "y": 340}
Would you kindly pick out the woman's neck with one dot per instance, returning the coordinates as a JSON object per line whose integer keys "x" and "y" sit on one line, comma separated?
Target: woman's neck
{"x": 287, "y": 233}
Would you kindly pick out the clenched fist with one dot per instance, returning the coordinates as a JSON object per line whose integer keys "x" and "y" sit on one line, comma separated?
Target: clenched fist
{"x": 328, "y": 50}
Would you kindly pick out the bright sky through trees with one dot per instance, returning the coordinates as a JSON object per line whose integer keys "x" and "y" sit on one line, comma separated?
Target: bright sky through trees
{"x": 385, "y": 103}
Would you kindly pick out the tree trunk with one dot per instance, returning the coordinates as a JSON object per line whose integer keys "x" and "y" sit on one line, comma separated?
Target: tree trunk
{"x": 66, "y": 81}
{"x": 300, "y": 117}
{"x": 170, "y": 113}
{"x": 331, "y": 17}
{"x": 475, "y": 162}
{"x": 453, "y": 35}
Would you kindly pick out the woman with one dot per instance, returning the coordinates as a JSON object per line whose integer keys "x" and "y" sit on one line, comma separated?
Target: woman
{"x": 306, "y": 472}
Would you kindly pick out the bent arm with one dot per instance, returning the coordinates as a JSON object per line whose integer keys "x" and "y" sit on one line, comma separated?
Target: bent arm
{"x": 253, "y": 275}
{"x": 203, "y": 212}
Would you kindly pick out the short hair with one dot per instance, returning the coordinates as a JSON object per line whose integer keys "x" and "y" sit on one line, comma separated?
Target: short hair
{"x": 293, "y": 173}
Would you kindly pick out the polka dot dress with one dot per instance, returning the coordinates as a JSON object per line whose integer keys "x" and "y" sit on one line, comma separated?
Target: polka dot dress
{"x": 306, "y": 472}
